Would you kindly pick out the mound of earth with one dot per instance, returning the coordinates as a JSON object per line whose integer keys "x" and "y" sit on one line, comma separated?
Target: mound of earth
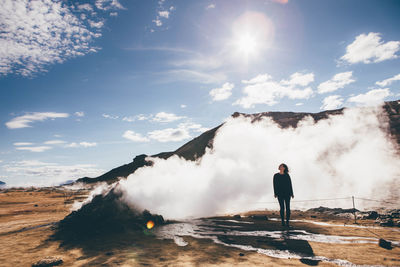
{"x": 104, "y": 215}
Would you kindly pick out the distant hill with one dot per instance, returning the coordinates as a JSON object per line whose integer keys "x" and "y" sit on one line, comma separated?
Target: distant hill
{"x": 196, "y": 148}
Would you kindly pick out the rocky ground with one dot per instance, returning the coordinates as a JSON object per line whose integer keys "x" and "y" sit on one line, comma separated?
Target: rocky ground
{"x": 29, "y": 223}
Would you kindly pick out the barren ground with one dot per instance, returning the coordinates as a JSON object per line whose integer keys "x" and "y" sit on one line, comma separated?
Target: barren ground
{"x": 27, "y": 219}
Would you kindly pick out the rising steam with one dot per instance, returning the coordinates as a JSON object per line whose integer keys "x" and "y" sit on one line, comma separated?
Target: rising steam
{"x": 341, "y": 156}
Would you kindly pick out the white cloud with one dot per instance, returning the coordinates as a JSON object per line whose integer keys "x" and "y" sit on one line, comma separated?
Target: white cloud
{"x": 34, "y": 148}
{"x": 389, "y": 81}
{"x": 261, "y": 78}
{"x": 86, "y": 7}
{"x": 193, "y": 126}
{"x": 338, "y": 81}
{"x": 170, "y": 134}
{"x": 180, "y": 133}
{"x": 36, "y": 34}
{"x": 106, "y": 5}
{"x": 166, "y": 117}
{"x": 183, "y": 106}
{"x": 158, "y": 22}
{"x": 81, "y": 144}
{"x": 194, "y": 76}
{"x": 108, "y": 116}
{"x": 135, "y": 137}
{"x": 298, "y": 78}
{"x": 299, "y": 104}
{"x": 94, "y": 24}
{"x": 79, "y": 114}
{"x": 372, "y": 97}
{"x": 46, "y": 173}
{"x": 140, "y": 117}
{"x": 129, "y": 119}
{"x": 263, "y": 90}
{"x": 54, "y": 142}
{"x": 332, "y": 102}
{"x": 164, "y": 14}
{"x": 223, "y": 92}
{"x": 25, "y": 120}
{"x": 369, "y": 48}
{"x": 23, "y": 144}
{"x": 210, "y": 6}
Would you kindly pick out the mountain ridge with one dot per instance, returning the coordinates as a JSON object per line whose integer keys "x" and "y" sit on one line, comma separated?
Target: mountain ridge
{"x": 196, "y": 147}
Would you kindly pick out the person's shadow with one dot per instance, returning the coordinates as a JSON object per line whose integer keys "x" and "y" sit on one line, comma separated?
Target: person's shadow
{"x": 300, "y": 247}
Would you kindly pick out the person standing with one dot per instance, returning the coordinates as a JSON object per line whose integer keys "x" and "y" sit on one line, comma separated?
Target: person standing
{"x": 283, "y": 191}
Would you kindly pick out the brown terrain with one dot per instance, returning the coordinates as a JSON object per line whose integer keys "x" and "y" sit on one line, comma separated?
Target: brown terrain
{"x": 29, "y": 217}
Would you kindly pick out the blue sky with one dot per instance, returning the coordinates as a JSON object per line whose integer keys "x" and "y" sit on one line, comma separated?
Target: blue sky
{"x": 87, "y": 85}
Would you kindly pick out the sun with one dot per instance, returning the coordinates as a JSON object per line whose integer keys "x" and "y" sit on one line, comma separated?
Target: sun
{"x": 246, "y": 44}
{"x": 252, "y": 36}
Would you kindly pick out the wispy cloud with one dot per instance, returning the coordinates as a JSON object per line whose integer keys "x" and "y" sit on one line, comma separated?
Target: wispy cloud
{"x": 27, "y": 119}
{"x": 263, "y": 90}
{"x": 192, "y": 75}
{"x": 50, "y": 173}
{"x": 163, "y": 13}
{"x": 170, "y": 134}
{"x": 34, "y": 148}
{"x": 369, "y": 48}
{"x": 222, "y": 93}
{"x": 332, "y": 102}
{"x": 108, "y": 116}
{"x": 107, "y": 5}
{"x": 23, "y": 144}
{"x": 372, "y": 97}
{"x": 166, "y": 117}
{"x": 338, "y": 81}
{"x": 135, "y": 137}
{"x": 36, "y": 34}
{"x": 54, "y": 142}
{"x": 210, "y": 6}
{"x": 79, "y": 114}
{"x": 140, "y": 117}
{"x": 389, "y": 81}
{"x": 81, "y": 144}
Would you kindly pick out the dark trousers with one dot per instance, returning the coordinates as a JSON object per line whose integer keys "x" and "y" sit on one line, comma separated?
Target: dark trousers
{"x": 284, "y": 201}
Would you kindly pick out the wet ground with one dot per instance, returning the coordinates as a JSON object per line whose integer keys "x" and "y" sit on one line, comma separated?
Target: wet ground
{"x": 28, "y": 219}
{"x": 266, "y": 236}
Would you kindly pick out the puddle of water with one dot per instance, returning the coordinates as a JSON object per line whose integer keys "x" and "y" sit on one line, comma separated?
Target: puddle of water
{"x": 207, "y": 229}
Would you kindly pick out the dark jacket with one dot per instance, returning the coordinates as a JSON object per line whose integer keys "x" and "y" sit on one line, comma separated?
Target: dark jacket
{"x": 282, "y": 185}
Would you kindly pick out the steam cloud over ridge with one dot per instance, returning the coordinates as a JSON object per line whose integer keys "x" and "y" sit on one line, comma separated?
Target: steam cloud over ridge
{"x": 343, "y": 155}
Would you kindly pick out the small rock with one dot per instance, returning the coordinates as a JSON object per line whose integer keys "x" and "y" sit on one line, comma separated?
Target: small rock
{"x": 385, "y": 244}
{"x": 237, "y": 216}
{"x": 371, "y": 215}
{"x": 48, "y": 262}
{"x": 259, "y": 217}
{"x": 241, "y": 254}
{"x": 386, "y": 222}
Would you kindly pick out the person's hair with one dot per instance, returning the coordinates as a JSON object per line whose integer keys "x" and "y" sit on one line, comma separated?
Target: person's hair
{"x": 285, "y": 166}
